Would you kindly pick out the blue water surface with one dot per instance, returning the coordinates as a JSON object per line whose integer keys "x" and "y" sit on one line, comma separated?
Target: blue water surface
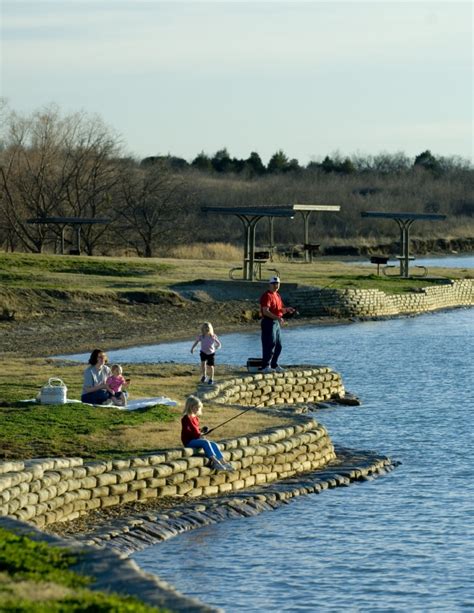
{"x": 403, "y": 542}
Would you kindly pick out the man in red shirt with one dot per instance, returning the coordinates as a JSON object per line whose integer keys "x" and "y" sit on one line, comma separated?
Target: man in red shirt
{"x": 272, "y": 310}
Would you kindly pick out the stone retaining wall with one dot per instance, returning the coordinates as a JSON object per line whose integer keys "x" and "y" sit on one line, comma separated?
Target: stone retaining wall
{"x": 46, "y": 491}
{"x": 316, "y": 302}
{"x": 311, "y": 384}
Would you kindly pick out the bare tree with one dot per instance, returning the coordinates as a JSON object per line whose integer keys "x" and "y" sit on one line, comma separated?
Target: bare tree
{"x": 55, "y": 166}
{"x": 153, "y": 207}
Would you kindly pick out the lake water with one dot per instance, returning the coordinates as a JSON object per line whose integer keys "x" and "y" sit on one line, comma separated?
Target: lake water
{"x": 403, "y": 542}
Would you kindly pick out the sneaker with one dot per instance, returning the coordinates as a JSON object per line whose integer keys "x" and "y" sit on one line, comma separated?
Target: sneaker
{"x": 203, "y": 379}
{"x": 216, "y": 464}
{"x": 265, "y": 371}
{"x": 108, "y": 403}
{"x": 210, "y": 382}
{"x": 278, "y": 369}
{"x": 228, "y": 466}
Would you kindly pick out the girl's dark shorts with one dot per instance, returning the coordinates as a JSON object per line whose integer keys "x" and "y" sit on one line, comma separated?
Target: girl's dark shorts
{"x": 208, "y": 358}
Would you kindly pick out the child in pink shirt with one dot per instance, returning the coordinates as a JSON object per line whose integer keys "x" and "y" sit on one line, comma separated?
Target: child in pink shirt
{"x": 115, "y": 383}
{"x": 209, "y": 345}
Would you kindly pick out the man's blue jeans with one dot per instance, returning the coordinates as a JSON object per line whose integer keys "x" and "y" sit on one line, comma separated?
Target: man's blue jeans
{"x": 210, "y": 448}
{"x": 271, "y": 342}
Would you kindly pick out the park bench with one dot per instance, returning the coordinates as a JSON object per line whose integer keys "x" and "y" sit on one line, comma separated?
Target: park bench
{"x": 310, "y": 250}
{"x": 422, "y": 271}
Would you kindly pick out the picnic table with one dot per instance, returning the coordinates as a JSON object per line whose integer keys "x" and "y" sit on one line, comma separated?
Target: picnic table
{"x": 404, "y": 221}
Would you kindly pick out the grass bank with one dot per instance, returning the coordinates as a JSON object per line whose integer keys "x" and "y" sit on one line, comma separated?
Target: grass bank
{"x": 35, "y": 430}
{"x": 36, "y": 578}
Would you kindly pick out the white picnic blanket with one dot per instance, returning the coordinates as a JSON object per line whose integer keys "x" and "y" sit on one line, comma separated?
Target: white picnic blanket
{"x": 142, "y": 403}
{"x": 132, "y": 405}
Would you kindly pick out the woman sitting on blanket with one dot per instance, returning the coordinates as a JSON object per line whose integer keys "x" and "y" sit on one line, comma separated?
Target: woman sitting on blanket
{"x": 95, "y": 389}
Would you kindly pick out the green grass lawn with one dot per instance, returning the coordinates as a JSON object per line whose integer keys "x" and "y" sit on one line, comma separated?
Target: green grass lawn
{"x": 36, "y": 578}
{"x": 99, "y": 274}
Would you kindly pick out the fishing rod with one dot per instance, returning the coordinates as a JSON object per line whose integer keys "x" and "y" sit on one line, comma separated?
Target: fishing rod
{"x": 235, "y": 416}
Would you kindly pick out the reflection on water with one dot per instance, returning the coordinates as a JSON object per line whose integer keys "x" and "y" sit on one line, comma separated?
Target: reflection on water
{"x": 400, "y": 543}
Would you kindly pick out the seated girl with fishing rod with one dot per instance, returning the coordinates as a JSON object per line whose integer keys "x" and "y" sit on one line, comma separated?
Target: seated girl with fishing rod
{"x": 192, "y": 435}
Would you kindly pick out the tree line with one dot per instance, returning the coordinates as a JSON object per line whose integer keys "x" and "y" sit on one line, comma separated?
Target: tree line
{"x": 56, "y": 166}
{"x": 222, "y": 163}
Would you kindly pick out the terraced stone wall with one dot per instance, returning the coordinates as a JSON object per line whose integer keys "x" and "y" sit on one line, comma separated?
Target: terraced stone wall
{"x": 297, "y": 385}
{"x": 50, "y": 490}
{"x": 314, "y": 302}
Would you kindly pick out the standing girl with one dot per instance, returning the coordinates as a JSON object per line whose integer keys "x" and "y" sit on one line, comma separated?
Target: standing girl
{"x": 209, "y": 345}
{"x": 191, "y": 434}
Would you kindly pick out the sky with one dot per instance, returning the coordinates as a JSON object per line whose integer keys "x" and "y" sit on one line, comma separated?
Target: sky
{"x": 311, "y": 78}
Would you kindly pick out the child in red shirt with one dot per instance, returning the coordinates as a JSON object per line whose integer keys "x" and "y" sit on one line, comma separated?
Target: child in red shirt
{"x": 191, "y": 434}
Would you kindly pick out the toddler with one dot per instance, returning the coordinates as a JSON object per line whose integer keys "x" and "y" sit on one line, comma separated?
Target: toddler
{"x": 115, "y": 382}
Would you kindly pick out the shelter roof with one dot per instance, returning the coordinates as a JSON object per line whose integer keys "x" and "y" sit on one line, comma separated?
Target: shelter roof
{"x": 426, "y": 216}
{"x": 280, "y": 210}
{"x": 67, "y": 220}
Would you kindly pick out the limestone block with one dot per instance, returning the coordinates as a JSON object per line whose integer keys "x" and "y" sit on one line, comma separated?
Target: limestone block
{"x": 191, "y": 473}
{"x": 195, "y": 492}
{"x": 211, "y": 490}
{"x": 8, "y": 480}
{"x": 272, "y": 476}
{"x": 35, "y": 486}
{"x": 106, "y": 479}
{"x": 236, "y": 455}
{"x": 128, "y": 497}
{"x": 218, "y": 478}
{"x": 225, "y": 487}
{"x": 118, "y": 489}
{"x": 239, "y": 484}
{"x": 50, "y": 518}
{"x": 260, "y": 478}
{"x": 156, "y": 458}
{"x": 154, "y": 483}
{"x": 100, "y": 491}
{"x": 201, "y": 482}
{"x": 70, "y": 497}
{"x": 136, "y": 485}
{"x": 167, "y": 490}
{"x": 195, "y": 461}
{"x": 93, "y": 503}
{"x": 96, "y": 468}
{"x": 74, "y": 484}
{"x": 144, "y": 472}
{"x": 109, "y": 501}
{"x": 79, "y": 505}
{"x": 88, "y": 483}
{"x": 120, "y": 464}
{"x": 55, "y": 504}
{"x": 84, "y": 494}
{"x": 249, "y": 481}
{"x": 142, "y": 461}
{"x": 178, "y": 465}
{"x": 146, "y": 493}
{"x": 162, "y": 470}
{"x": 61, "y": 487}
{"x": 185, "y": 488}
{"x": 125, "y": 475}
{"x": 47, "y": 493}
{"x": 51, "y": 477}
{"x": 175, "y": 479}
{"x": 66, "y": 474}
{"x": 244, "y": 462}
